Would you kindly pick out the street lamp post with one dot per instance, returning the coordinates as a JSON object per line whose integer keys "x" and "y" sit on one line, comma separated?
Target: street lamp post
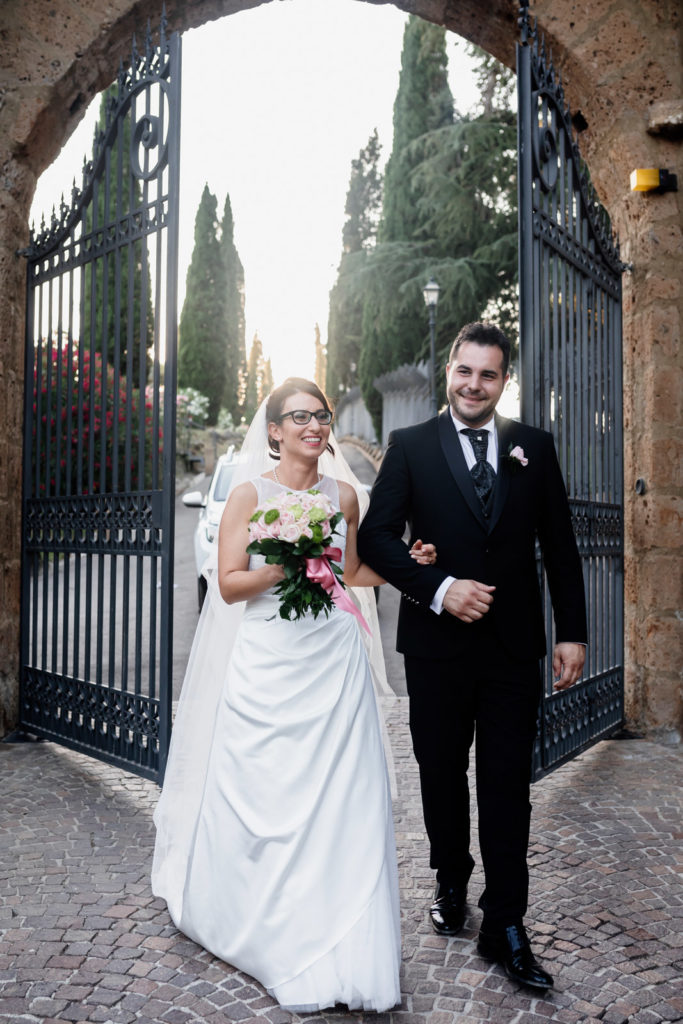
{"x": 431, "y": 297}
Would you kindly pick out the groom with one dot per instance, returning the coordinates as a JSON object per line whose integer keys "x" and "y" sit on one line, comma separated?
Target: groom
{"x": 484, "y": 489}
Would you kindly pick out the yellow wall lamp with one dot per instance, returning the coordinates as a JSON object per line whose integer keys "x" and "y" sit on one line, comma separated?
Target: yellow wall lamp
{"x": 653, "y": 179}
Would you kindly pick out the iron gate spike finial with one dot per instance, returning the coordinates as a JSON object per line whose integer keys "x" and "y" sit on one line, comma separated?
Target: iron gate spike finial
{"x": 134, "y": 56}
{"x": 148, "y": 46}
{"x": 162, "y": 34}
{"x": 523, "y": 22}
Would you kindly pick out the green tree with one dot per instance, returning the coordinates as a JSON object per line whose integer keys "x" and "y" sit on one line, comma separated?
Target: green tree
{"x": 344, "y": 327}
{"x": 462, "y": 180}
{"x": 466, "y": 180}
{"x": 120, "y": 325}
{"x": 423, "y": 104}
{"x": 202, "y": 351}
{"x": 259, "y": 380}
{"x": 267, "y": 378}
{"x": 234, "y": 316}
{"x": 320, "y": 372}
{"x": 363, "y": 199}
{"x": 393, "y": 324}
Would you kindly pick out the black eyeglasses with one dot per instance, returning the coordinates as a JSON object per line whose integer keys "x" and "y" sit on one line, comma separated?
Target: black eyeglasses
{"x": 302, "y": 416}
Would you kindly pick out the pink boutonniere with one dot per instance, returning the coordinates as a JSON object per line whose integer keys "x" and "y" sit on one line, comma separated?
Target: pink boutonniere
{"x": 516, "y": 458}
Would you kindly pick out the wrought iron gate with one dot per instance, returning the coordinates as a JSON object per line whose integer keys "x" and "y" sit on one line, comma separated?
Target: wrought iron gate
{"x": 571, "y": 384}
{"x": 99, "y": 442}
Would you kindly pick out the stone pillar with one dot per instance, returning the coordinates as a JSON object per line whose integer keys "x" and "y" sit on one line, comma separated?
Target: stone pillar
{"x": 15, "y": 197}
{"x": 634, "y": 57}
{"x": 653, "y": 403}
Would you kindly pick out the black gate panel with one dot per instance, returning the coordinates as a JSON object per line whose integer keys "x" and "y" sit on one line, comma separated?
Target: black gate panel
{"x": 571, "y": 385}
{"x": 99, "y": 463}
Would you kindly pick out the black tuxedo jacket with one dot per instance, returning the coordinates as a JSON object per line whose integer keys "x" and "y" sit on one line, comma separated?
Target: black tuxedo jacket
{"x": 424, "y": 482}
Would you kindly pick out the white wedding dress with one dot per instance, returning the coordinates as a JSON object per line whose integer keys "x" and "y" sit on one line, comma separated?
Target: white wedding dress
{"x": 277, "y": 853}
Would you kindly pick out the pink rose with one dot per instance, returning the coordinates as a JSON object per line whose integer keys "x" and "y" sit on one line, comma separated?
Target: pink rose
{"x": 518, "y": 454}
{"x": 257, "y": 531}
{"x": 290, "y": 533}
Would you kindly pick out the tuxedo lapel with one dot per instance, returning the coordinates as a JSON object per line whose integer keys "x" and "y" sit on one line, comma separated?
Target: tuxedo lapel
{"x": 452, "y": 449}
{"x": 504, "y": 427}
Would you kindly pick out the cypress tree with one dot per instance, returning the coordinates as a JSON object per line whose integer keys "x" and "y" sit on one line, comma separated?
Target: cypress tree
{"x": 234, "y": 316}
{"x": 267, "y": 378}
{"x": 135, "y": 328}
{"x": 344, "y": 328}
{"x": 202, "y": 351}
{"x": 320, "y": 372}
{"x": 423, "y": 104}
{"x": 393, "y": 322}
{"x": 259, "y": 379}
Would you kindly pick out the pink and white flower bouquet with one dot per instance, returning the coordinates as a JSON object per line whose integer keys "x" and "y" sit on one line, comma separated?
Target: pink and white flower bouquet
{"x": 295, "y": 530}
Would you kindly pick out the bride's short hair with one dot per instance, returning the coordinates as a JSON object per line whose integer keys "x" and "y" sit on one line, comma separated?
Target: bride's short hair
{"x": 277, "y": 399}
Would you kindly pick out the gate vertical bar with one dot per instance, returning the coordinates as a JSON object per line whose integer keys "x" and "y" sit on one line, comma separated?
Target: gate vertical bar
{"x": 525, "y": 228}
{"x": 169, "y": 406}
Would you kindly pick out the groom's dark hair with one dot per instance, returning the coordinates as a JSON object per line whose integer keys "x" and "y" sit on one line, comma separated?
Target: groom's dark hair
{"x": 277, "y": 399}
{"x": 482, "y": 334}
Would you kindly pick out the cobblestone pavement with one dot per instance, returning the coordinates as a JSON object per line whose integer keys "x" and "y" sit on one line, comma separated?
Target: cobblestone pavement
{"x": 83, "y": 939}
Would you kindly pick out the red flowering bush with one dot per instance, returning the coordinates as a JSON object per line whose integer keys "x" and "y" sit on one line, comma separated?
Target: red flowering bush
{"x": 76, "y": 398}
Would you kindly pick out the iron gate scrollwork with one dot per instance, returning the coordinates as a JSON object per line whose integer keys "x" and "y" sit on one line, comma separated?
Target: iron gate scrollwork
{"x": 571, "y": 384}
{"x": 99, "y": 443}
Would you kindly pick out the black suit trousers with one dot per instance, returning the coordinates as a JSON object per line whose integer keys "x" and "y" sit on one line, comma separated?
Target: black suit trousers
{"x": 487, "y": 696}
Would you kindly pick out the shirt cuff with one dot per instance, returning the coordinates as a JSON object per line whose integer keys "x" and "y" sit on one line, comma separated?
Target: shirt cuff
{"x": 437, "y": 601}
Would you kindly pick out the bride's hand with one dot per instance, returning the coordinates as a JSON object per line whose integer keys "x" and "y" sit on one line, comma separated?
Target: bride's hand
{"x": 425, "y": 554}
{"x": 272, "y": 574}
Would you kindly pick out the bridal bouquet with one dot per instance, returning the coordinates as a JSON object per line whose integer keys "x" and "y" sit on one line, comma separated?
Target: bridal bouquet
{"x": 295, "y": 530}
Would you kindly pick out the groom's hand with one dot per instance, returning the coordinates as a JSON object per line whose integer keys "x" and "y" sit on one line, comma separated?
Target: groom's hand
{"x": 468, "y": 600}
{"x": 568, "y": 662}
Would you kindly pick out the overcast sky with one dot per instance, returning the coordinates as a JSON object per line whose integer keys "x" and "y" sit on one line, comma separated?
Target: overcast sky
{"x": 277, "y": 101}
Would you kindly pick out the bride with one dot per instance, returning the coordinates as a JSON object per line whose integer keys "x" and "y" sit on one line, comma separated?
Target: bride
{"x": 275, "y": 845}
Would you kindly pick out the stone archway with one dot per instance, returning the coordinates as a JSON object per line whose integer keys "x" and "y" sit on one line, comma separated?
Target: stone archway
{"x": 622, "y": 64}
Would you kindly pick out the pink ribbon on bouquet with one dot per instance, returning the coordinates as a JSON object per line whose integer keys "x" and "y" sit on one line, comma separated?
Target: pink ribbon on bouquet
{"x": 318, "y": 570}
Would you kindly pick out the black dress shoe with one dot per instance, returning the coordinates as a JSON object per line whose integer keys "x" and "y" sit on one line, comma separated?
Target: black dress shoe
{"x": 448, "y": 909}
{"x": 510, "y": 947}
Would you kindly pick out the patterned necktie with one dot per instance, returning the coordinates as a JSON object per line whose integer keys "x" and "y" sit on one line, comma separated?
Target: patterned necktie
{"x": 482, "y": 472}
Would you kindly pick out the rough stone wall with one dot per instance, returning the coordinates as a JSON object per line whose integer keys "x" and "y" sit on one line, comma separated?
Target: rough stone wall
{"x": 622, "y": 65}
